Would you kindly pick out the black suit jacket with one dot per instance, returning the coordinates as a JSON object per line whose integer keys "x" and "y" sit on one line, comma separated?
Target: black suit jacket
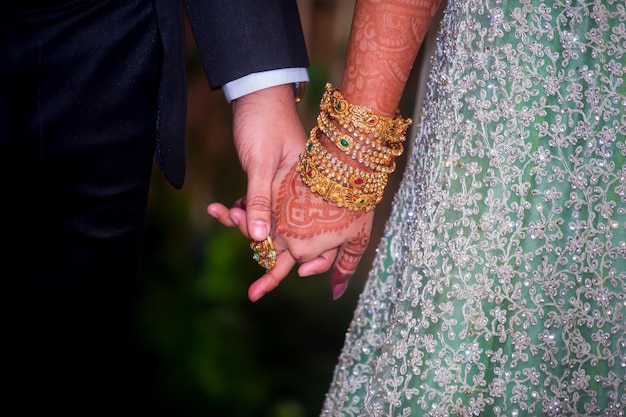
{"x": 234, "y": 38}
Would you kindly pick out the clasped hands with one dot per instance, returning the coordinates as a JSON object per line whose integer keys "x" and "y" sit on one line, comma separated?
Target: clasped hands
{"x": 304, "y": 228}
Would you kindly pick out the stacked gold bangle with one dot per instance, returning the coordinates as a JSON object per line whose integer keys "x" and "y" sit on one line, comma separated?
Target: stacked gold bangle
{"x": 372, "y": 155}
{"x": 339, "y": 171}
{"x": 371, "y": 140}
{"x": 362, "y": 119}
{"x": 350, "y": 196}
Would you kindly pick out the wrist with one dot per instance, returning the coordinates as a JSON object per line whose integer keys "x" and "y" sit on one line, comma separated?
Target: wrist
{"x": 351, "y": 152}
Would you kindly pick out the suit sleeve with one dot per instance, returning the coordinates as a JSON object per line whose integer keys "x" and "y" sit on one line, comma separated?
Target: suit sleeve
{"x": 239, "y": 37}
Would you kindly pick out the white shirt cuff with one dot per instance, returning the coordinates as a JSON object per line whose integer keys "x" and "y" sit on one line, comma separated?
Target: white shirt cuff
{"x": 260, "y": 80}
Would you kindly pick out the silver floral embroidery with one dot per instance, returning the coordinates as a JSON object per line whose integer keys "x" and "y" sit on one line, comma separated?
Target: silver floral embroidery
{"x": 499, "y": 288}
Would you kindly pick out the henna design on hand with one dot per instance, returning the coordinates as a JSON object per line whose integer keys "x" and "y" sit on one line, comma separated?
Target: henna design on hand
{"x": 353, "y": 250}
{"x": 302, "y": 214}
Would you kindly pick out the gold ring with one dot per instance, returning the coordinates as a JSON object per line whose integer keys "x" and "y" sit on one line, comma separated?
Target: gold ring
{"x": 264, "y": 253}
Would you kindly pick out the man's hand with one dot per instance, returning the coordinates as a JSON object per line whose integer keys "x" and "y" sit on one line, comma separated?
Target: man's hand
{"x": 268, "y": 136}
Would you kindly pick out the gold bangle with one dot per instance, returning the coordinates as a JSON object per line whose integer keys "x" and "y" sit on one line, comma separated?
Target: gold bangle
{"x": 346, "y": 197}
{"x": 374, "y": 161}
{"x": 380, "y": 141}
{"x": 340, "y": 171}
{"x": 352, "y": 195}
{"x": 362, "y": 119}
{"x": 379, "y": 158}
{"x": 323, "y": 121}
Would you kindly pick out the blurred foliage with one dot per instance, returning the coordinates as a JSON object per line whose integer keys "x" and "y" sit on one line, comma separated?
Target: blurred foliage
{"x": 212, "y": 352}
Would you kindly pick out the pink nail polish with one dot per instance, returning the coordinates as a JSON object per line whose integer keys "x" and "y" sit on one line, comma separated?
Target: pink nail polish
{"x": 338, "y": 283}
{"x": 338, "y": 290}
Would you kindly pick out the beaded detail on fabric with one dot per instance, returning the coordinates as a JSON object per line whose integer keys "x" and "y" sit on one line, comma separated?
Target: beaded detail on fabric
{"x": 499, "y": 287}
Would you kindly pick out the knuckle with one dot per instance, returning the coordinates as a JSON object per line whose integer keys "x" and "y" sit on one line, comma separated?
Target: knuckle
{"x": 258, "y": 202}
{"x": 300, "y": 254}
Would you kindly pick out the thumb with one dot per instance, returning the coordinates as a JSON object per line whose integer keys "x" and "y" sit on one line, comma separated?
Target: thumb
{"x": 259, "y": 204}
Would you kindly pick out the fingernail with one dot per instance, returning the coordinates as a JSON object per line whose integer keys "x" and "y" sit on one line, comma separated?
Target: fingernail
{"x": 240, "y": 204}
{"x": 259, "y": 230}
{"x": 256, "y": 297}
{"x": 338, "y": 290}
{"x": 339, "y": 283}
{"x": 234, "y": 220}
{"x": 304, "y": 271}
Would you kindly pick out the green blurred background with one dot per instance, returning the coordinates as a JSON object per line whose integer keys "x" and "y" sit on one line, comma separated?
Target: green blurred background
{"x": 209, "y": 350}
